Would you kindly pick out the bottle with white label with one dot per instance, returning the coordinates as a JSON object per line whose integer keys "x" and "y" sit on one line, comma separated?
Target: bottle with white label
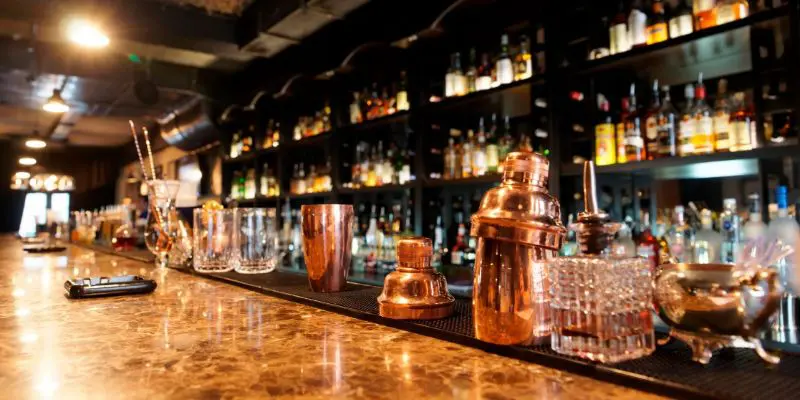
{"x": 637, "y": 25}
{"x": 687, "y": 124}
{"x": 729, "y": 225}
{"x": 754, "y": 228}
{"x": 722, "y": 115}
{"x": 618, "y": 31}
{"x": 703, "y": 138}
{"x": 741, "y": 126}
{"x": 454, "y": 76}
{"x": 504, "y": 67}
{"x": 682, "y": 21}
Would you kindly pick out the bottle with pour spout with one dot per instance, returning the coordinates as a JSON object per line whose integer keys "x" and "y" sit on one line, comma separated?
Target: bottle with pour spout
{"x": 519, "y": 232}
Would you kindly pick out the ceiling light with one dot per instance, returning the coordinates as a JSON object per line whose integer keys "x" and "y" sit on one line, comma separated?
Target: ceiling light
{"x": 56, "y": 104}
{"x": 35, "y": 144}
{"x": 85, "y": 34}
{"x": 27, "y": 161}
{"x": 22, "y": 174}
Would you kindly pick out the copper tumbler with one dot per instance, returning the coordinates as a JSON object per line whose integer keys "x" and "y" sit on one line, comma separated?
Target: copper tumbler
{"x": 519, "y": 229}
{"x": 327, "y": 245}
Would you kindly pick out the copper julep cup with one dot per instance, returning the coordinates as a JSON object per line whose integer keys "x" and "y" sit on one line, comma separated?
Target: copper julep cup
{"x": 518, "y": 227}
{"x": 327, "y": 245}
{"x": 415, "y": 290}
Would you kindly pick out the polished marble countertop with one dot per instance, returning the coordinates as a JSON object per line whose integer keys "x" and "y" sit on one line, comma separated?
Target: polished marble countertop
{"x": 199, "y": 339}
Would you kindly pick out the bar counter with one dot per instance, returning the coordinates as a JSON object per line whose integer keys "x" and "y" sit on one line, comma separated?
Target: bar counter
{"x": 197, "y": 338}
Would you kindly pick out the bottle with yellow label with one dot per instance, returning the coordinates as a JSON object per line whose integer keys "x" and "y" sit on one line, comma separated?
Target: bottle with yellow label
{"x": 605, "y": 152}
{"x": 620, "y": 131}
{"x": 703, "y": 138}
{"x": 657, "y": 30}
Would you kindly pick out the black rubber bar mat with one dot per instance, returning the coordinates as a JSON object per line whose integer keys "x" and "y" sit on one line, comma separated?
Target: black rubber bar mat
{"x": 732, "y": 374}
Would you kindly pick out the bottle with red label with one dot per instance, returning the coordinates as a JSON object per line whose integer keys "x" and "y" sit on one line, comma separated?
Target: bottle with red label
{"x": 634, "y": 137}
{"x": 647, "y": 244}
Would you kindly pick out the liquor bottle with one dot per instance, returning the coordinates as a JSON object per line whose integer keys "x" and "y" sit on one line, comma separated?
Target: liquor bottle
{"x": 263, "y": 183}
{"x": 505, "y": 69}
{"x": 457, "y": 253}
{"x": 731, "y": 10}
{"x": 242, "y": 183}
{"x": 722, "y": 115}
{"x": 651, "y": 124}
{"x": 708, "y": 243}
{"x": 605, "y": 151}
{"x": 634, "y": 144}
{"x": 301, "y": 180}
{"x": 506, "y": 142}
{"x": 438, "y": 242}
{"x": 666, "y": 127}
{"x": 365, "y": 165}
{"x": 465, "y": 152}
{"x": 523, "y": 60}
{"x": 268, "y": 134}
{"x": 705, "y": 14}
{"x": 741, "y": 126}
{"x": 370, "y": 237}
{"x": 657, "y": 30}
{"x": 297, "y": 132}
{"x": 235, "y": 151}
{"x": 312, "y": 183}
{"x": 472, "y": 72}
{"x": 680, "y": 237}
{"x": 682, "y": 21}
{"x": 388, "y": 171}
{"x": 647, "y": 245}
{"x": 484, "y": 78}
{"x": 623, "y": 116}
{"x": 754, "y": 228}
{"x": 380, "y": 233}
{"x": 247, "y": 140}
{"x": 637, "y": 24}
{"x": 492, "y": 151}
{"x": 459, "y": 80}
{"x": 451, "y": 162}
{"x": 479, "y": 165}
{"x": 623, "y": 245}
{"x": 703, "y": 138}
{"x": 250, "y": 184}
{"x": 525, "y": 145}
{"x": 619, "y": 42}
{"x": 731, "y": 228}
{"x": 235, "y": 185}
{"x": 686, "y": 128}
{"x": 785, "y": 229}
{"x": 356, "y": 117}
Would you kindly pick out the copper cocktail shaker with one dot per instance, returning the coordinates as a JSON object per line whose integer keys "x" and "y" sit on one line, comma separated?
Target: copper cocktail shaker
{"x": 518, "y": 227}
{"x": 327, "y": 243}
{"x": 415, "y": 290}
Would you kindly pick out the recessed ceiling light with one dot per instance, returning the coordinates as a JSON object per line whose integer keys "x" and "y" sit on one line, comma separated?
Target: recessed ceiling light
{"x": 86, "y": 34}
{"x": 27, "y": 161}
{"x": 35, "y": 144}
{"x": 56, "y": 104}
{"x": 22, "y": 175}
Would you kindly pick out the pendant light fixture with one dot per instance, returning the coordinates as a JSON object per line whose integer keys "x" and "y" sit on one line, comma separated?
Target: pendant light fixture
{"x": 56, "y": 104}
{"x": 27, "y": 161}
{"x": 35, "y": 144}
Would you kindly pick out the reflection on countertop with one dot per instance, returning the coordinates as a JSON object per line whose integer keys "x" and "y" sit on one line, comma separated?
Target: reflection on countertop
{"x": 197, "y": 338}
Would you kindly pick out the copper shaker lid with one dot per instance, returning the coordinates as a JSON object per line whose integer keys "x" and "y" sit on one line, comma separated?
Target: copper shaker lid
{"x": 415, "y": 290}
{"x": 521, "y": 209}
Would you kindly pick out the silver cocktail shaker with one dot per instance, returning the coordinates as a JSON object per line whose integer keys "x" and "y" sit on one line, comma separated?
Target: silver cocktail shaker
{"x": 518, "y": 226}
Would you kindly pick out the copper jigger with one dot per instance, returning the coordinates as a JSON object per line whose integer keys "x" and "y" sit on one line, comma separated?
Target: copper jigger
{"x": 415, "y": 290}
{"x": 518, "y": 226}
{"x": 327, "y": 245}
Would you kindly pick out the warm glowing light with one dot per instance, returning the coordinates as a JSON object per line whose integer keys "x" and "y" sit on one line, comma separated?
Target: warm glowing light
{"x": 86, "y": 34}
{"x": 56, "y": 104}
{"x": 35, "y": 144}
{"x": 27, "y": 161}
{"x": 18, "y": 292}
{"x": 29, "y": 337}
{"x": 22, "y": 175}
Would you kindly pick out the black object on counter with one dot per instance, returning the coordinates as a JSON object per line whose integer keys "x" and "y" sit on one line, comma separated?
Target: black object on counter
{"x": 44, "y": 249}
{"x": 103, "y": 286}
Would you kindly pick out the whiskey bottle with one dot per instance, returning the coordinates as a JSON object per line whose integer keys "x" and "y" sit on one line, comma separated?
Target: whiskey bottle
{"x": 682, "y": 21}
{"x": 703, "y": 138}
{"x": 451, "y": 167}
{"x": 620, "y": 131}
{"x": 705, "y": 14}
{"x": 472, "y": 72}
{"x": 686, "y": 128}
{"x": 666, "y": 124}
{"x": 619, "y": 42}
{"x": 721, "y": 120}
{"x": 605, "y": 151}
{"x": 466, "y": 155}
{"x": 505, "y": 70}
{"x": 484, "y": 79}
{"x": 247, "y": 140}
{"x": 634, "y": 144}
{"x": 637, "y": 24}
{"x": 741, "y": 126}
{"x": 263, "y": 184}
{"x": 301, "y": 180}
{"x": 657, "y": 30}
{"x": 506, "y": 142}
{"x": 479, "y": 166}
{"x": 355, "y": 109}
{"x": 651, "y": 124}
{"x": 402, "y": 93}
{"x": 523, "y": 60}
{"x": 492, "y": 152}
{"x": 268, "y": 134}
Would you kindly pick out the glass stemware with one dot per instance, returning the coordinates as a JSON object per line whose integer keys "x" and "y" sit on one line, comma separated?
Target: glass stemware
{"x": 163, "y": 224}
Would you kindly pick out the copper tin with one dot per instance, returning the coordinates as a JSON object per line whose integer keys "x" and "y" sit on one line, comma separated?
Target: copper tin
{"x": 415, "y": 290}
{"x": 519, "y": 229}
{"x": 327, "y": 245}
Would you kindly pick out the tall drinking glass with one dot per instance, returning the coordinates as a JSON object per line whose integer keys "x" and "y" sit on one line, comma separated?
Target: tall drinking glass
{"x": 162, "y": 219}
{"x": 215, "y": 238}
{"x": 256, "y": 240}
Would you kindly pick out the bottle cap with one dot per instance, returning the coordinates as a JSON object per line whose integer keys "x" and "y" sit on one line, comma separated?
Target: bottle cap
{"x": 781, "y": 197}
